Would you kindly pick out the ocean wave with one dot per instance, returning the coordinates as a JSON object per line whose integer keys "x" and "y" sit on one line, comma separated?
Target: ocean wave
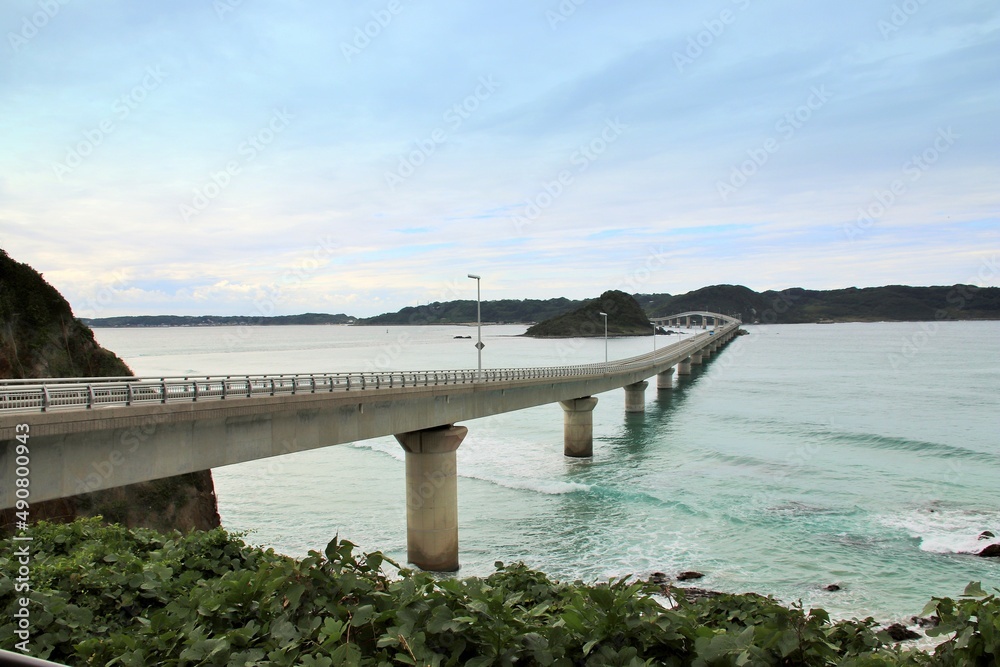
{"x": 548, "y": 487}
{"x": 947, "y": 531}
{"x": 891, "y": 443}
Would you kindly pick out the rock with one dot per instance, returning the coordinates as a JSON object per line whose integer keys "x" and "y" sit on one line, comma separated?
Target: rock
{"x": 986, "y": 535}
{"x": 658, "y": 578}
{"x": 832, "y": 588}
{"x": 922, "y": 622}
{"x": 901, "y": 633}
{"x": 688, "y": 576}
{"x": 992, "y": 551}
{"x": 694, "y": 594}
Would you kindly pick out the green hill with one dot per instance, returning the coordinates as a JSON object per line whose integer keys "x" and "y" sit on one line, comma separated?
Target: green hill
{"x": 625, "y": 318}
{"x": 871, "y": 304}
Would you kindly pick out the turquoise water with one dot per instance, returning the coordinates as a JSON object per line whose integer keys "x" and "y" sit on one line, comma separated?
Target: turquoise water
{"x": 866, "y": 455}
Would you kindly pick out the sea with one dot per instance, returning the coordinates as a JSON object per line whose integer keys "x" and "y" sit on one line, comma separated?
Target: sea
{"x": 861, "y": 455}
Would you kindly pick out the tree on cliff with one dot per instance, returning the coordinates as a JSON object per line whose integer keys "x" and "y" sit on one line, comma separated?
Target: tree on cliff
{"x": 625, "y": 318}
{"x": 39, "y": 338}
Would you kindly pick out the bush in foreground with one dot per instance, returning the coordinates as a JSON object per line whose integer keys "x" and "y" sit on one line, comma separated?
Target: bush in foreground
{"x": 107, "y": 595}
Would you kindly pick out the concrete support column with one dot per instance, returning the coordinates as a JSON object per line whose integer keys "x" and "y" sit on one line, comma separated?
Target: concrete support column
{"x": 432, "y": 497}
{"x": 696, "y": 358}
{"x": 635, "y": 396}
{"x": 665, "y": 380}
{"x": 706, "y": 352}
{"x": 704, "y": 322}
{"x": 684, "y": 366}
{"x": 688, "y": 321}
{"x": 578, "y": 426}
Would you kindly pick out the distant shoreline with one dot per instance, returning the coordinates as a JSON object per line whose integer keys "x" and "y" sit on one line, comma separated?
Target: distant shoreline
{"x": 269, "y": 322}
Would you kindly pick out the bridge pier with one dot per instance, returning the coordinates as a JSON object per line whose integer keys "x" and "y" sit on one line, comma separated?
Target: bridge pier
{"x": 578, "y": 426}
{"x": 696, "y": 358}
{"x": 665, "y": 380}
{"x": 684, "y": 366}
{"x": 432, "y": 497}
{"x": 635, "y": 396}
{"x": 688, "y": 321}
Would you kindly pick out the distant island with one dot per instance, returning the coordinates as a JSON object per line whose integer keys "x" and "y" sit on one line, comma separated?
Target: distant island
{"x": 625, "y": 317}
{"x": 791, "y": 306}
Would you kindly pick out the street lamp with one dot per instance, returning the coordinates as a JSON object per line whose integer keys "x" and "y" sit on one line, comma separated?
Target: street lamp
{"x": 605, "y": 316}
{"x": 479, "y": 326}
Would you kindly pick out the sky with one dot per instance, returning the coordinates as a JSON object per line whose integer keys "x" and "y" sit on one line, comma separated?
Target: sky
{"x": 241, "y": 157}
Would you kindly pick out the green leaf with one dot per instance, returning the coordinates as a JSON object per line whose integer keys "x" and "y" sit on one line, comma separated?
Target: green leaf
{"x": 974, "y": 590}
{"x": 362, "y": 615}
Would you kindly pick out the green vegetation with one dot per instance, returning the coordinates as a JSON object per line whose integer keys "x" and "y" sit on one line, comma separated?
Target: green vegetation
{"x": 39, "y": 337}
{"x": 625, "y": 318}
{"x": 791, "y": 306}
{"x": 463, "y": 311}
{"x": 217, "y": 320}
{"x": 872, "y": 304}
{"x": 107, "y": 595}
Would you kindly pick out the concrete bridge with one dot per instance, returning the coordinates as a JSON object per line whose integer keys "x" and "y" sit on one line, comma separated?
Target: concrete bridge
{"x": 72, "y": 436}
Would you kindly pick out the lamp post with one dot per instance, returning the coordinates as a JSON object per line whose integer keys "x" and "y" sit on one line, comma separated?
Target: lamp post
{"x": 605, "y": 316}
{"x": 479, "y": 327}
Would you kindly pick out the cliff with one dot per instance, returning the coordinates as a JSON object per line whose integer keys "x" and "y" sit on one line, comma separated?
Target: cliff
{"x": 40, "y": 337}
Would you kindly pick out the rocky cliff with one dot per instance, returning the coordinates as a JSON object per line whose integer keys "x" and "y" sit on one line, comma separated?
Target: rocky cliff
{"x": 40, "y": 337}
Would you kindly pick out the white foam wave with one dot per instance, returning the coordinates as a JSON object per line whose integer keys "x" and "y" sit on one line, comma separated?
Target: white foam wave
{"x": 548, "y": 487}
{"x": 947, "y": 531}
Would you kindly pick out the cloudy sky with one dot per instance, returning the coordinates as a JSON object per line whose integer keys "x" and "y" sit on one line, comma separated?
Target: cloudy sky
{"x": 250, "y": 157}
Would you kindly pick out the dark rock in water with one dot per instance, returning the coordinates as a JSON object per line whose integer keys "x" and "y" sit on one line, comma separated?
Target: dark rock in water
{"x": 922, "y": 622}
{"x": 832, "y": 588}
{"x": 901, "y": 633}
{"x": 986, "y": 535}
{"x": 688, "y": 576}
{"x": 694, "y": 594}
{"x": 658, "y": 578}
{"x": 992, "y": 551}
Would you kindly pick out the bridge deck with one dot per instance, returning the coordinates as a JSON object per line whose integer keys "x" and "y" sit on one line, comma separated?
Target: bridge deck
{"x": 99, "y": 433}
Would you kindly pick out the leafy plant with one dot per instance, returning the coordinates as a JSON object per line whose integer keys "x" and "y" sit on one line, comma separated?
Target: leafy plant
{"x": 107, "y": 595}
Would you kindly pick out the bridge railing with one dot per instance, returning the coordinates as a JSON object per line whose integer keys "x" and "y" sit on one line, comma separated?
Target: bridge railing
{"x": 88, "y": 393}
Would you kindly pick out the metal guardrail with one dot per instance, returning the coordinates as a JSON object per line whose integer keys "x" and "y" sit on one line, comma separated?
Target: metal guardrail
{"x": 89, "y": 393}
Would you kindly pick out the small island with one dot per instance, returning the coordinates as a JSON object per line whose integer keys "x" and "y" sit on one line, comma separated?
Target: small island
{"x": 625, "y": 317}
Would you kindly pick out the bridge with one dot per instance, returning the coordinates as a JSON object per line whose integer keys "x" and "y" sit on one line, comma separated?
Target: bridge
{"x": 76, "y": 435}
